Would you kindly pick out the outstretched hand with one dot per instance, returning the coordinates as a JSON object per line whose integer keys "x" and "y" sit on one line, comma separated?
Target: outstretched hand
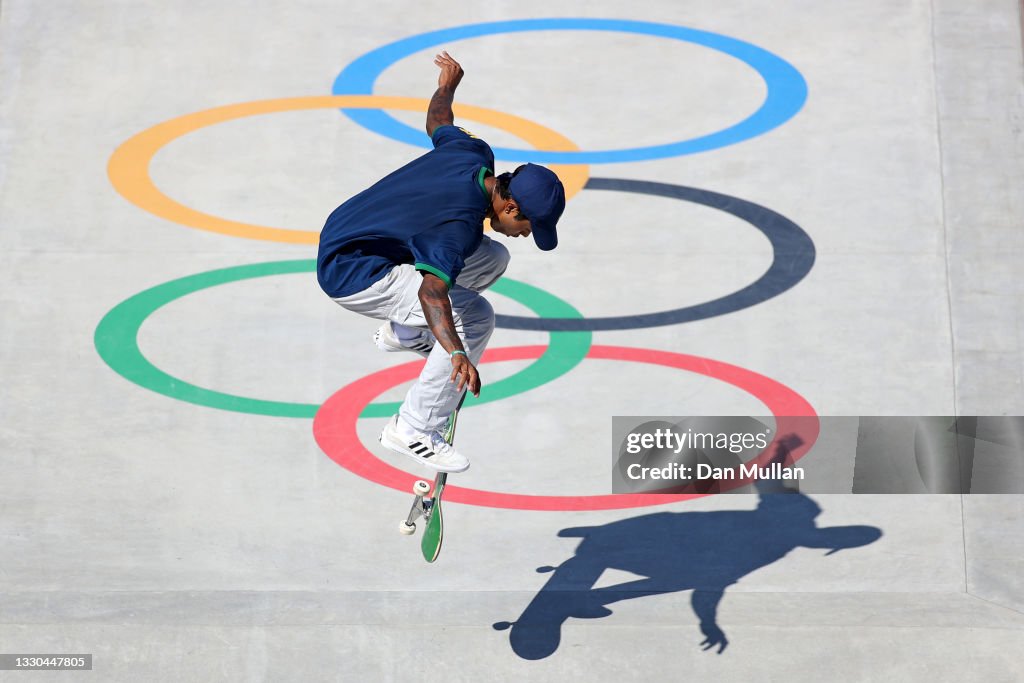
{"x": 465, "y": 374}
{"x": 451, "y": 72}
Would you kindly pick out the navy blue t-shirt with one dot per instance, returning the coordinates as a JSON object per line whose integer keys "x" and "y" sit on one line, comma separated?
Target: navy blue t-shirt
{"x": 430, "y": 213}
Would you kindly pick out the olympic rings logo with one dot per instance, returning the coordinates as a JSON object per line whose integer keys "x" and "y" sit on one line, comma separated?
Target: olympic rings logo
{"x": 129, "y": 166}
{"x": 786, "y": 94}
{"x": 570, "y": 333}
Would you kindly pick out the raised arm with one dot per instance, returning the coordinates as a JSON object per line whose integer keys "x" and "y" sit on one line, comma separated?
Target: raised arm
{"x": 440, "y": 111}
{"x": 437, "y": 309}
{"x": 705, "y": 605}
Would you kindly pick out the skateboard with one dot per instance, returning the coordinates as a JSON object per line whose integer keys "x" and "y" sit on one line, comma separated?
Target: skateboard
{"x": 429, "y": 507}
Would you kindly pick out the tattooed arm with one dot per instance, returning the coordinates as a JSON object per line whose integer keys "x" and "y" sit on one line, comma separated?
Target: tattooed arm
{"x": 437, "y": 309}
{"x": 440, "y": 111}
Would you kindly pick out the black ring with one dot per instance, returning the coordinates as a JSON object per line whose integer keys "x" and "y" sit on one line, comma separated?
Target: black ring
{"x": 793, "y": 257}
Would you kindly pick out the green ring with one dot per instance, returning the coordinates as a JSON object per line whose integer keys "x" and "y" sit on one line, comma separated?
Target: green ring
{"x": 116, "y": 341}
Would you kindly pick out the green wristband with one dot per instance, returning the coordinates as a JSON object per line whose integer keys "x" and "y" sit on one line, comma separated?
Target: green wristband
{"x": 460, "y": 351}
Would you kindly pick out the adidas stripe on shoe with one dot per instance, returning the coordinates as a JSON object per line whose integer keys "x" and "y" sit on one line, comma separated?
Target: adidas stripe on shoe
{"x": 430, "y": 450}
{"x": 385, "y": 340}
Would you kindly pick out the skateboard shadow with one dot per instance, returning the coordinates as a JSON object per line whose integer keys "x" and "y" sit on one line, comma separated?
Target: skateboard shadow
{"x": 700, "y": 551}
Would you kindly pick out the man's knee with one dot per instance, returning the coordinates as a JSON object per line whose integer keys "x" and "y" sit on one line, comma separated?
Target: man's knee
{"x": 498, "y": 258}
{"x": 478, "y": 317}
{"x": 485, "y": 266}
{"x": 485, "y": 312}
{"x": 501, "y": 257}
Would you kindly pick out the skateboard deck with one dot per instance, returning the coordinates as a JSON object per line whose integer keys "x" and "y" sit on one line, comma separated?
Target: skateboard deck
{"x": 430, "y": 507}
{"x": 433, "y": 535}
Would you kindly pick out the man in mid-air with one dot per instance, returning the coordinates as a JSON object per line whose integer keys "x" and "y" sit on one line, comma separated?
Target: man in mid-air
{"x": 410, "y": 251}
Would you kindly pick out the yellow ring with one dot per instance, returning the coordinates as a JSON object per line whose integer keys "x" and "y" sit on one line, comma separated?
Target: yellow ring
{"x": 128, "y": 168}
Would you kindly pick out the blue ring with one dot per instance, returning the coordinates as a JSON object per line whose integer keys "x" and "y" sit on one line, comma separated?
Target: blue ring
{"x": 787, "y": 90}
{"x": 793, "y": 257}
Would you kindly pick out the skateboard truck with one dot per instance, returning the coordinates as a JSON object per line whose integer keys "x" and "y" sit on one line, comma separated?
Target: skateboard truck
{"x": 423, "y": 505}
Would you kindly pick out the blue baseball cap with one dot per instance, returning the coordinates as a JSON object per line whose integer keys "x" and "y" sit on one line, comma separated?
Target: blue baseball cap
{"x": 541, "y": 198}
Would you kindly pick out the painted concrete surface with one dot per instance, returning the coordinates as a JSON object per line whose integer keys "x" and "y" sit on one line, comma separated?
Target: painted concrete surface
{"x": 176, "y": 541}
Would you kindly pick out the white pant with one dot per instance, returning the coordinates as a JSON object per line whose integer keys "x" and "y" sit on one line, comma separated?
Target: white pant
{"x": 395, "y": 297}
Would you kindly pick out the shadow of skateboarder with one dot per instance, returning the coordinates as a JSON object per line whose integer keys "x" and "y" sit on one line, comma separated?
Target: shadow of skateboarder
{"x": 700, "y": 551}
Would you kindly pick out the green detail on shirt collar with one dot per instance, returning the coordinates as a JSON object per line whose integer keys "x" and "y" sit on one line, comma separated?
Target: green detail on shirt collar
{"x": 480, "y": 179}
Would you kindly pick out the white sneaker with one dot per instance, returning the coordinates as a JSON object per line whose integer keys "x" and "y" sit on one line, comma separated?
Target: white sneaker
{"x": 386, "y": 340}
{"x": 430, "y": 450}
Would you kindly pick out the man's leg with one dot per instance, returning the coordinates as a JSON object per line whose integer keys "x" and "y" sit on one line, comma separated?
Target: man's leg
{"x": 434, "y": 396}
{"x": 483, "y": 268}
{"x": 395, "y": 297}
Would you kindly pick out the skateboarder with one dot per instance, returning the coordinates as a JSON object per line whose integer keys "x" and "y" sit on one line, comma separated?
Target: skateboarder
{"x": 410, "y": 251}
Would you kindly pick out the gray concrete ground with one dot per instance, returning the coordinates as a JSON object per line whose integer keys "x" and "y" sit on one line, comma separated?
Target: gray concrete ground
{"x": 181, "y": 542}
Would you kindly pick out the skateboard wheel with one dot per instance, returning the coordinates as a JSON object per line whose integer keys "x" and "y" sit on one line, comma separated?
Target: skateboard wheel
{"x": 421, "y": 488}
{"x": 406, "y": 529}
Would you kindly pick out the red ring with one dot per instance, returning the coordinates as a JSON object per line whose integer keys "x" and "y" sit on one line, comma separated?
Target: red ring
{"x": 334, "y": 426}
